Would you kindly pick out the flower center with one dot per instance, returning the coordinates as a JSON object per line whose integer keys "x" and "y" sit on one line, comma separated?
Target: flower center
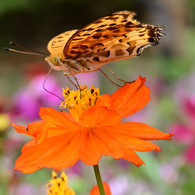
{"x": 80, "y": 100}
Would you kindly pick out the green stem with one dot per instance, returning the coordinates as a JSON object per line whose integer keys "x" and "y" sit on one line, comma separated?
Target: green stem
{"x": 99, "y": 179}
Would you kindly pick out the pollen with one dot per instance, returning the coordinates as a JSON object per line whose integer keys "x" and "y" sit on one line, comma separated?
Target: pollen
{"x": 80, "y": 100}
{"x": 58, "y": 185}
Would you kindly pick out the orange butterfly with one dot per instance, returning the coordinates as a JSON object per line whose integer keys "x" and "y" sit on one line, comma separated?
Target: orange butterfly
{"x": 114, "y": 37}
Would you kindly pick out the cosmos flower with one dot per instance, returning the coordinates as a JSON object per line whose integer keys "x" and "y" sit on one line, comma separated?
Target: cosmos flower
{"x": 91, "y": 129}
{"x": 95, "y": 190}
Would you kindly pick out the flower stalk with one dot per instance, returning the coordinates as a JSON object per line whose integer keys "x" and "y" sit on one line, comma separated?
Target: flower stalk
{"x": 99, "y": 179}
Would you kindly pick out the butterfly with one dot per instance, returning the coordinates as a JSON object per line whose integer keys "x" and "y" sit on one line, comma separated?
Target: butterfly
{"x": 113, "y": 37}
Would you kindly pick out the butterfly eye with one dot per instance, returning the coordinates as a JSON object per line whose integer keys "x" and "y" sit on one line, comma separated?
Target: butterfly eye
{"x": 55, "y": 60}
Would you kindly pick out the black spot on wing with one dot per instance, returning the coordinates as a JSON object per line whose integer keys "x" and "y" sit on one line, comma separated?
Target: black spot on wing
{"x": 112, "y": 28}
{"x": 112, "y": 24}
{"x": 116, "y": 31}
{"x": 103, "y": 25}
{"x": 106, "y": 36}
{"x": 97, "y": 35}
{"x": 83, "y": 46}
{"x": 96, "y": 59}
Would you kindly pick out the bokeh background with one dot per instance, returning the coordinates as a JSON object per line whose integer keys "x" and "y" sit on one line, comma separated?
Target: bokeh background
{"x": 168, "y": 67}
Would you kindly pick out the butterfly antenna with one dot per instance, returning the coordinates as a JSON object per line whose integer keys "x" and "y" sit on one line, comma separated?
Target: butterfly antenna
{"x": 48, "y": 90}
{"x": 23, "y": 52}
{"x": 28, "y": 51}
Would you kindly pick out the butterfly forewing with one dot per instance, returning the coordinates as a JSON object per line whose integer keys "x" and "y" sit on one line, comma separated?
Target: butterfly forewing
{"x": 56, "y": 45}
{"x": 111, "y": 38}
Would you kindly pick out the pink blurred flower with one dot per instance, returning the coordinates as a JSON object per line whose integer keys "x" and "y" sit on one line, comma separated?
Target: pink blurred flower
{"x": 185, "y": 134}
{"x": 189, "y": 106}
{"x": 28, "y": 100}
{"x": 190, "y": 154}
{"x": 182, "y": 133}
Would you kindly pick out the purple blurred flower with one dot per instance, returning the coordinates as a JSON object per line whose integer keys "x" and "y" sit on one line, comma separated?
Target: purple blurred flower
{"x": 119, "y": 186}
{"x": 126, "y": 186}
{"x": 168, "y": 173}
{"x": 28, "y": 100}
{"x": 76, "y": 169}
{"x": 26, "y": 189}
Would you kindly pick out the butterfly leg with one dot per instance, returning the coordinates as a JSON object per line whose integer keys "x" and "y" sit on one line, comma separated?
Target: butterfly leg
{"x": 69, "y": 69}
{"x": 115, "y": 75}
{"x": 71, "y": 81}
{"x": 109, "y": 78}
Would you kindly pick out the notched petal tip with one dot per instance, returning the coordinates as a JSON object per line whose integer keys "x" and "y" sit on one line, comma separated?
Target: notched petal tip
{"x": 142, "y": 79}
{"x": 21, "y": 129}
{"x": 168, "y": 136}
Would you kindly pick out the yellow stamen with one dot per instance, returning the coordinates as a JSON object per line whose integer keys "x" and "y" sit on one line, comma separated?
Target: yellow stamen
{"x": 80, "y": 100}
{"x": 58, "y": 185}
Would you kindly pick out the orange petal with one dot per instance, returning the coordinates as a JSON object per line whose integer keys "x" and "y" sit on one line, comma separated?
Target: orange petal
{"x": 56, "y": 152}
{"x": 54, "y": 117}
{"x": 63, "y": 154}
{"x": 106, "y": 144}
{"x": 131, "y": 156}
{"x": 87, "y": 154}
{"x": 21, "y": 129}
{"x": 99, "y": 116}
{"x": 141, "y": 131}
{"x": 26, "y": 161}
{"x": 104, "y": 100}
{"x": 39, "y": 130}
{"x": 95, "y": 190}
{"x": 131, "y": 98}
{"x": 133, "y": 143}
{"x": 97, "y": 143}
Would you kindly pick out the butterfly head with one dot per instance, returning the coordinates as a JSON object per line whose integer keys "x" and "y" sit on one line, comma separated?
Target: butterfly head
{"x": 54, "y": 62}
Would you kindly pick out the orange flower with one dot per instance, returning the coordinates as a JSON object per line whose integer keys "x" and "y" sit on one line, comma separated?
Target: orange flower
{"x": 95, "y": 190}
{"x": 92, "y": 129}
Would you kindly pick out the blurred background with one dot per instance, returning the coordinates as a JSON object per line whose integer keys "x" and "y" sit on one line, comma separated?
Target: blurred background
{"x": 168, "y": 67}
